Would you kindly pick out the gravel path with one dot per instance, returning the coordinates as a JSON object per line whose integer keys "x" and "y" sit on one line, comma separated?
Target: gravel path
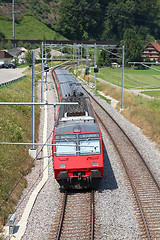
{"x": 114, "y": 206}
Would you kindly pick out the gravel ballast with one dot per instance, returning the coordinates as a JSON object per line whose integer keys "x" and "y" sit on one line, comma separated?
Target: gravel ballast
{"x": 114, "y": 204}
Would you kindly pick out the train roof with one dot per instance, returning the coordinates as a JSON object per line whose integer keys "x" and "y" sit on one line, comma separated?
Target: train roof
{"x": 77, "y": 127}
{"x": 68, "y": 84}
{"x": 72, "y": 115}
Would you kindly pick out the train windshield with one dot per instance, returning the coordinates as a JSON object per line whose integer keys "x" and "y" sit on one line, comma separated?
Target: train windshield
{"x": 77, "y": 144}
{"x": 65, "y": 144}
{"x": 65, "y": 148}
{"x": 90, "y": 147}
{"x": 89, "y": 143}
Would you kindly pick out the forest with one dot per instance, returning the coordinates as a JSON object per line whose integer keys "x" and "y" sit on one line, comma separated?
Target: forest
{"x": 96, "y": 19}
{"x": 108, "y": 20}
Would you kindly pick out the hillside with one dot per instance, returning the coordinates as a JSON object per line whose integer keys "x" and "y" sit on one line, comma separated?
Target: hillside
{"x": 28, "y": 28}
{"x": 81, "y": 19}
{"x": 34, "y": 19}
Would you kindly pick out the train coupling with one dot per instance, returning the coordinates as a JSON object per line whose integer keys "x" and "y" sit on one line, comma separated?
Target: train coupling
{"x": 79, "y": 176}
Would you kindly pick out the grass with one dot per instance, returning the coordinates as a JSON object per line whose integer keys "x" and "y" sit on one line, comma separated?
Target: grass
{"x": 142, "y": 112}
{"x": 155, "y": 94}
{"x": 23, "y": 66}
{"x": 133, "y": 78}
{"x": 15, "y": 126}
{"x": 29, "y": 28}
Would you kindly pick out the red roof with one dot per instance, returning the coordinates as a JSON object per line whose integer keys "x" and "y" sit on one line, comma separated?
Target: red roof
{"x": 156, "y": 46}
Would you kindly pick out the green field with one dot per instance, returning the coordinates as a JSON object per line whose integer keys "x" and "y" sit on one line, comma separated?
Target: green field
{"x": 29, "y": 28}
{"x": 133, "y": 78}
{"x": 15, "y": 126}
{"x": 142, "y": 112}
{"x": 155, "y": 94}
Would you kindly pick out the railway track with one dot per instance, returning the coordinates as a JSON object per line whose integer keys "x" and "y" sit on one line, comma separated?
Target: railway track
{"x": 77, "y": 217}
{"x": 145, "y": 186}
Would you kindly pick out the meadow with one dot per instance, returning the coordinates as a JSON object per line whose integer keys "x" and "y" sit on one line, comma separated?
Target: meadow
{"x": 28, "y": 28}
{"x": 141, "y": 111}
{"x": 15, "y": 126}
{"x": 133, "y": 78}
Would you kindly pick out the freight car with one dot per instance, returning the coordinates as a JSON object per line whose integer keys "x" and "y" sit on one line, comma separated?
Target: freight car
{"x": 77, "y": 138}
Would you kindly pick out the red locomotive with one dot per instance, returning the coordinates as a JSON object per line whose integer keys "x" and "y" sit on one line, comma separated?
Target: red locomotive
{"x": 77, "y": 138}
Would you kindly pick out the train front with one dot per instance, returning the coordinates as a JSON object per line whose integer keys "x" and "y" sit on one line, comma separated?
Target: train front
{"x": 78, "y": 159}
{"x": 77, "y": 139}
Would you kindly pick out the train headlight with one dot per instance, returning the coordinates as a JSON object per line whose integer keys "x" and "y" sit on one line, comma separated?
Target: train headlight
{"x": 94, "y": 164}
{"x": 62, "y": 165}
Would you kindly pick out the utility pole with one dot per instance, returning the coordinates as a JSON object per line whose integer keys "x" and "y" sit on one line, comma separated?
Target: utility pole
{"x": 95, "y": 60}
{"x": 87, "y": 63}
{"x": 81, "y": 58}
{"x": 75, "y": 57}
{"x": 13, "y": 15}
{"x": 33, "y": 96}
{"x": 42, "y": 76}
{"x": 122, "y": 76}
{"x": 61, "y": 52}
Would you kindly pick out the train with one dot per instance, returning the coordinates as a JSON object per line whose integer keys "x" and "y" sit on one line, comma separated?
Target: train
{"x": 77, "y": 139}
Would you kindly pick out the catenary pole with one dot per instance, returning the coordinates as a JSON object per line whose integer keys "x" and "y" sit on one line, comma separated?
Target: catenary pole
{"x": 13, "y": 15}
{"x": 42, "y": 76}
{"x": 81, "y": 59}
{"x": 122, "y": 76}
{"x": 33, "y": 96}
{"x": 95, "y": 60}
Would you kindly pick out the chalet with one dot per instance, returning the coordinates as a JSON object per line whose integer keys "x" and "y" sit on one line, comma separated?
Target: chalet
{"x": 18, "y": 53}
{"x": 152, "y": 51}
{"x": 5, "y": 57}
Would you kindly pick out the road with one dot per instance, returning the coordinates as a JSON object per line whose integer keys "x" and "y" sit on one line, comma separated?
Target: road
{"x": 7, "y": 75}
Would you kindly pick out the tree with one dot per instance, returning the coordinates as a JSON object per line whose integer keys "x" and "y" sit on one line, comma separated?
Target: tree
{"x": 133, "y": 46}
{"x": 28, "y": 57}
{"x": 79, "y": 19}
{"x": 2, "y": 36}
{"x": 16, "y": 60}
{"x": 1, "y": 45}
{"x": 20, "y": 44}
{"x": 140, "y": 15}
{"x": 103, "y": 58}
{"x": 119, "y": 16}
{"x": 27, "y": 45}
{"x": 8, "y": 44}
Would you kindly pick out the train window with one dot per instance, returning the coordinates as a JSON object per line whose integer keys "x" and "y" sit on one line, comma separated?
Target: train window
{"x": 89, "y": 147}
{"x": 65, "y": 136}
{"x": 65, "y": 148}
{"x": 89, "y": 135}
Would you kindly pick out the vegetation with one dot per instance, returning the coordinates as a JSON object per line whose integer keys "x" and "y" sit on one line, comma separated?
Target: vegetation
{"x": 28, "y": 57}
{"x": 103, "y": 58}
{"x": 29, "y": 28}
{"x": 142, "y": 112}
{"x": 15, "y": 125}
{"x": 84, "y": 19}
{"x": 79, "y": 19}
{"x": 133, "y": 47}
{"x": 108, "y": 20}
{"x": 133, "y": 78}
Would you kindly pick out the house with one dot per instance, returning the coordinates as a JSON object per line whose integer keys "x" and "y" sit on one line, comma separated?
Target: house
{"x": 18, "y": 53}
{"x": 152, "y": 51}
{"x": 53, "y": 53}
{"x": 5, "y": 57}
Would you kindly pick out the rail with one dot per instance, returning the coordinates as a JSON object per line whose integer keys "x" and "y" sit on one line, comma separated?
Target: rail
{"x": 77, "y": 216}
{"x": 151, "y": 226}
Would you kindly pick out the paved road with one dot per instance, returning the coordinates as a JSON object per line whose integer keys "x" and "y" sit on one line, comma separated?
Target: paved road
{"x": 7, "y": 75}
